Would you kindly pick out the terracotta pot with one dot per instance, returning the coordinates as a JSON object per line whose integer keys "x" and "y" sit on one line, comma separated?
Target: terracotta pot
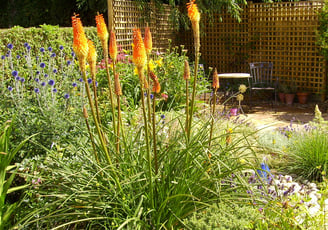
{"x": 281, "y": 97}
{"x": 289, "y": 97}
{"x": 302, "y": 97}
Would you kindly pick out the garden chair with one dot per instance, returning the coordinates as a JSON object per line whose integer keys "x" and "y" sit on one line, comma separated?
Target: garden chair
{"x": 261, "y": 79}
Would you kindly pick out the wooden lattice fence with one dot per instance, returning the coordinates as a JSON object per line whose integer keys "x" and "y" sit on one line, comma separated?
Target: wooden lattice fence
{"x": 282, "y": 33}
{"x": 127, "y": 16}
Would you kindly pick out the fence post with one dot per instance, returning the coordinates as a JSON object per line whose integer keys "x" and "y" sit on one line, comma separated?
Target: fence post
{"x": 110, "y": 14}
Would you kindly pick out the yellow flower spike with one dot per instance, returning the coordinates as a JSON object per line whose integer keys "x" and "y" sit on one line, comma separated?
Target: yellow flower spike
{"x": 216, "y": 83}
{"x": 139, "y": 51}
{"x": 112, "y": 45}
{"x": 80, "y": 42}
{"x": 102, "y": 30}
{"x": 92, "y": 58}
{"x": 148, "y": 40}
{"x": 186, "y": 72}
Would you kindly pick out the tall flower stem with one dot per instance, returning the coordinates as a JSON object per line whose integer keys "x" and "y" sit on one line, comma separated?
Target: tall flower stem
{"x": 212, "y": 117}
{"x": 148, "y": 90}
{"x": 193, "y": 92}
{"x": 96, "y": 98}
{"x": 110, "y": 89}
{"x": 149, "y": 158}
{"x": 154, "y": 135}
{"x": 85, "y": 113}
{"x": 187, "y": 107}
{"x": 118, "y": 124}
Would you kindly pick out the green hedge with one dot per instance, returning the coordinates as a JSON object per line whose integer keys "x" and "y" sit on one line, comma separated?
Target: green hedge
{"x": 45, "y": 36}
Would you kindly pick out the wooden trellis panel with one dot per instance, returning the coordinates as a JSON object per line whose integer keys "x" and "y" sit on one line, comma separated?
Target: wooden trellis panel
{"x": 129, "y": 16}
{"x": 286, "y": 35}
{"x": 282, "y": 33}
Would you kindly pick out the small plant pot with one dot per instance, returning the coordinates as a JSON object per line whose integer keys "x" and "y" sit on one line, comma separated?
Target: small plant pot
{"x": 289, "y": 98}
{"x": 281, "y": 97}
{"x": 233, "y": 111}
{"x": 302, "y": 97}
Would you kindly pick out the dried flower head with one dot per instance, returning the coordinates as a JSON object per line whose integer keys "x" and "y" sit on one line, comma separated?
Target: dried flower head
{"x": 148, "y": 40}
{"x": 112, "y": 45}
{"x": 186, "y": 72}
{"x": 92, "y": 58}
{"x": 139, "y": 51}
{"x": 102, "y": 29}
{"x": 240, "y": 97}
{"x": 156, "y": 85}
{"x": 242, "y": 88}
{"x": 80, "y": 42}
{"x": 118, "y": 90}
{"x": 85, "y": 112}
{"x": 216, "y": 83}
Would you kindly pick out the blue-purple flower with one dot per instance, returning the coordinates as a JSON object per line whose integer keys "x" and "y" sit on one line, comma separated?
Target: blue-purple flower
{"x": 17, "y": 78}
{"x": 46, "y": 75}
{"x": 74, "y": 84}
{"x": 37, "y": 79}
{"x": 89, "y": 80}
{"x": 69, "y": 62}
{"x": 28, "y": 48}
{"x": 18, "y": 57}
{"x": 37, "y": 72}
{"x": 10, "y": 88}
{"x": 162, "y": 116}
{"x": 55, "y": 70}
{"x": 49, "y": 48}
{"x": 66, "y": 96}
{"x": 36, "y": 90}
{"x": 22, "y": 80}
{"x": 53, "y": 55}
{"x": 51, "y": 82}
{"x": 14, "y": 73}
{"x": 151, "y": 96}
{"x": 3, "y": 57}
{"x": 42, "y": 49}
{"x": 54, "y": 90}
{"x": 10, "y": 46}
{"x": 80, "y": 79}
{"x": 43, "y": 83}
{"x": 61, "y": 47}
{"x": 25, "y": 44}
{"x": 42, "y": 65}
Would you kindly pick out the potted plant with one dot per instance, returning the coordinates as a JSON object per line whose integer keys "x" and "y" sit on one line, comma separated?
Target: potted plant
{"x": 302, "y": 95}
{"x": 290, "y": 94}
{"x": 282, "y": 90}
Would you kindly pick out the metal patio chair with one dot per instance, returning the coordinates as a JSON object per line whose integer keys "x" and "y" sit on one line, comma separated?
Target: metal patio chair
{"x": 261, "y": 79}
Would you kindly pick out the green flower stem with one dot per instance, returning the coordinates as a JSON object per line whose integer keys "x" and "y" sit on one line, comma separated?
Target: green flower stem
{"x": 95, "y": 117}
{"x": 187, "y": 106}
{"x": 148, "y": 90}
{"x": 92, "y": 140}
{"x": 147, "y": 144}
{"x": 110, "y": 89}
{"x": 118, "y": 125}
{"x": 193, "y": 92}
{"x": 100, "y": 134}
{"x": 96, "y": 98}
{"x": 154, "y": 135}
{"x": 212, "y": 118}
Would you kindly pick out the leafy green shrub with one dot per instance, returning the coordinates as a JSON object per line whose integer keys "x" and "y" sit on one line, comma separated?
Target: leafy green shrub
{"x": 224, "y": 216}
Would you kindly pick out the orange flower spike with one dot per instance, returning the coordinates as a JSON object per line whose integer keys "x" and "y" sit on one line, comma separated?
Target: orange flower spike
{"x": 186, "y": 73}
{"x": 102, "y": 29}
{"x": 92, "y": 58}
{"x": 112, "y": 45}
{"x": 139, "y": 51}
{"x": 216, "y": 83}
{"x": 148, "y": 40}
{"x": 118, "y": 89}
{"x": 80, "y": 42}
{"x": 193, "y": 12}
